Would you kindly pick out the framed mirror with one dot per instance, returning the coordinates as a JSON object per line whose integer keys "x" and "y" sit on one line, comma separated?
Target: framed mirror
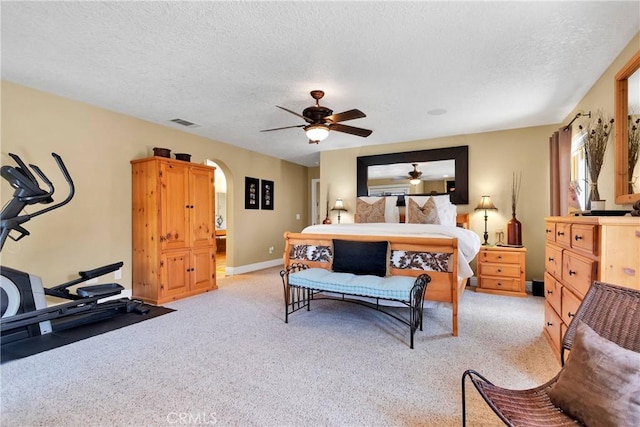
{"x": 627, "y": 101}
{"x": 450, "y": 160}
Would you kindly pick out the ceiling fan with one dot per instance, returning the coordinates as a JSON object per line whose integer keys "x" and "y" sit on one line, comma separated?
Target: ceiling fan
{"x": 321, "y": 120}
{"x": 414, "y": 175}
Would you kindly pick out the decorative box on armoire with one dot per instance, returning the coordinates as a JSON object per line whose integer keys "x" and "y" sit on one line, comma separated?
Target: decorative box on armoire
{"x": 173, "y": 229}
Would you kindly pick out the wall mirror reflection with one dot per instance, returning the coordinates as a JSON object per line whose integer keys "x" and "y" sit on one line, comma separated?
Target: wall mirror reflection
{"x": 441, "y": 171}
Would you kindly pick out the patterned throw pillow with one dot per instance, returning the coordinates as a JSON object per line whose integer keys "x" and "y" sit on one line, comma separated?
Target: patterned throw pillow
{"x": 427, "y": 214}
{"x": 370, "y": 212}
{"x": 600, "y": 383}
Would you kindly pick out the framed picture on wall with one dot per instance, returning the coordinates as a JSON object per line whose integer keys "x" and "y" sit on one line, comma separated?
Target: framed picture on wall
{"x": 251, "y": 193}
{"x": 266, "y": 192}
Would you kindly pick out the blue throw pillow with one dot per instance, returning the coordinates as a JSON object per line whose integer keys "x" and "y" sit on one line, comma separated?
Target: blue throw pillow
{"x": 360, "y": 257}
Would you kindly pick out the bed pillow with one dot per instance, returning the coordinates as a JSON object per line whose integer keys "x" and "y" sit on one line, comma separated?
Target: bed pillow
{"x": 360, "y": 257}
{"x": 600, "y": 383}
{"x": 391, "y": 211}
{"x": 427, "y": 214}
{"x": 369, "y": 212}
{"x": 446, "y": 210}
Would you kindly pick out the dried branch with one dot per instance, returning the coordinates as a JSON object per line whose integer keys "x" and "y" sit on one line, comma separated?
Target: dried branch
{"x": 515, "y": 191}
{"x": 633, "y": 147}
{"x": 595, "y": 148}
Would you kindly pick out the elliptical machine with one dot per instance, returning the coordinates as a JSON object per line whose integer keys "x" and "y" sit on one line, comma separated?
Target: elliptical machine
{"x": 22, "y": 297}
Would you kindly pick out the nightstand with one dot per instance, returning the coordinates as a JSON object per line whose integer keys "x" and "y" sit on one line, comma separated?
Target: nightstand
{"x": 501, "y": 270}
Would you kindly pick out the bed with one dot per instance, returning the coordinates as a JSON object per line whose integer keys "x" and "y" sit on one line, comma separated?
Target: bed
{"x": 443, "y": 251}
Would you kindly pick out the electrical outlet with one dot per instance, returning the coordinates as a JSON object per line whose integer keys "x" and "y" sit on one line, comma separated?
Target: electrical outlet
{"x": 271, "y": 250}
{"x": 297, "y": 216}
{"x": 117, "y": 275}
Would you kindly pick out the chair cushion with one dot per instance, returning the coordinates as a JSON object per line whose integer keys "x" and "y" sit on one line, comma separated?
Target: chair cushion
{"x": 390, "y": 287}
{"x": 600, "y": 383}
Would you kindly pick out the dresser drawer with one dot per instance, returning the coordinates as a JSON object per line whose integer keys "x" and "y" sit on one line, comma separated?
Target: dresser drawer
{"x": 570, "y": 304}
{"x": 553, "y": 292}
{"x": 501, "y": 270}
{"x": 503, "y": 284}
{"x": 550, "y": 231}
{"x": 501, "y": 257}
{"x": 584, "y": 238}
{"x": 563, "y": 234}
{"x": 553, "y": 260}
{"x": 553, "y": 327}
{"x": 578, "y": 272}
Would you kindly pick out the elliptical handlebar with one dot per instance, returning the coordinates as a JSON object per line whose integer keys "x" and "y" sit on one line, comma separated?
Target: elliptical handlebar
{"x": 28, "y": 192}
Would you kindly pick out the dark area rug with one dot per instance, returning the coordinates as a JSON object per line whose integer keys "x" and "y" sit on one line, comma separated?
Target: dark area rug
{"x": 30, "y": 346}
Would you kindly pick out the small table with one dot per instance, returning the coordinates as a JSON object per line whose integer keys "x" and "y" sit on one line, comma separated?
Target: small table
{"x": 221, "y": 240}
{"x": 501, "y": 270}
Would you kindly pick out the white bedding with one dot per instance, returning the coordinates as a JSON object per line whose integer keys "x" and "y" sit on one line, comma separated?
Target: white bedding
{"x": 468, "y": 241}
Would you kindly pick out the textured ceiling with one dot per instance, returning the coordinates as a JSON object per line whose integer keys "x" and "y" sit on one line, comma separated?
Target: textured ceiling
{"x": 417, "y": 69}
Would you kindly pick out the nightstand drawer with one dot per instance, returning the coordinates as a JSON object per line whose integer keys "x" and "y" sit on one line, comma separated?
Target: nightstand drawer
{"x": 502, "y": 270}
{"x": 501, "y": 257}
{"x": 505, "y": 284}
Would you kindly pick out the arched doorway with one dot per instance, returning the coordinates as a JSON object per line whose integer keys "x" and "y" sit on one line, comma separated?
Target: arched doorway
{"x": 222, "y": 210}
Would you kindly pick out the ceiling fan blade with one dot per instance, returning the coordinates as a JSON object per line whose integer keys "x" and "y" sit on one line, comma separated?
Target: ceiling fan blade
{"x": 294, "y": 113}
{"x": 286, "y": 127}
{"x": 350, "y": 129}
{"x": 345, "y": 115}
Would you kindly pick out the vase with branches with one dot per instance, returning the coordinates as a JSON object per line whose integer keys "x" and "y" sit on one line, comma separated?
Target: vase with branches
{"x": 514, "y": 226}
{"x": 633, "y": 147}
{"x": 595, "y": 147}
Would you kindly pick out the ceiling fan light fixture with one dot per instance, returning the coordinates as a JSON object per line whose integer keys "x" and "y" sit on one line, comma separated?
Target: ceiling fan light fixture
{"x": 414, "y": 175}
{"x": 317, "y": 132}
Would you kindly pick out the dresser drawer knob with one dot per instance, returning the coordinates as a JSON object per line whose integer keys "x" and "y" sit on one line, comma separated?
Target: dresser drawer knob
{"x": 578, "y": 237}
{"x": 570, "y": 314}
{"x": 499, "y": 271}
{"x": 571, "y": 272}
{"x": 549, "y": 324}
{"x": 560, "y": 233}
{"x": 551, "y": 258}
{"x": 549, "y": 292}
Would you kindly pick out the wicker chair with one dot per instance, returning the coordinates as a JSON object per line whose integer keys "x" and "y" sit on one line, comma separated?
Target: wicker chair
{"x": 612, "y": 311}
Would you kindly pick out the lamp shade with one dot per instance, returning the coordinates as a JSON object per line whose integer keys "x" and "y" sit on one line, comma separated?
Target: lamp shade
{"x": 317, "y": 133}
{"x": 339, "y": 206}
{"x": 486, "y": 204}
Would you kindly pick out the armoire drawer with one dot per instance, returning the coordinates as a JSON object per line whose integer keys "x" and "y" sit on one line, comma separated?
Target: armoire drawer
{"x": 553, "y": 260}
{"x": 584, "y": 238}
{"x": 553, "y": 292}
{"x": 503, "y": 284}
{"x": 502, "y": 270}
{"x": 570, "y": 304}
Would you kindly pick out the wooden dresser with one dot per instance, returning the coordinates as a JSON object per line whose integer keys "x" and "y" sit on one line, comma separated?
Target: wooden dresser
{"x": 173, "y": 229}
{"x": 501, "y": 270}
{"x": 578, "y": 251}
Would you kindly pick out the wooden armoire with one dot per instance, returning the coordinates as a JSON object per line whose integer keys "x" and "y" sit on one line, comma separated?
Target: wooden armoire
{"x": 173, "y": 229}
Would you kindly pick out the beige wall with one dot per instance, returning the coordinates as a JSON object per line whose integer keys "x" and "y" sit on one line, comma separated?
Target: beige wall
{"x": 97, "y": 145}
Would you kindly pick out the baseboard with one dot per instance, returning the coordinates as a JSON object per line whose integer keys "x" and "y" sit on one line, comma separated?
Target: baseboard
{"x": 231, "y": 271}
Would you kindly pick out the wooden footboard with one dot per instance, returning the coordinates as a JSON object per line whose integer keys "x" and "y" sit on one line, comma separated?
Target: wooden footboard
{"x": 408, "y": 258}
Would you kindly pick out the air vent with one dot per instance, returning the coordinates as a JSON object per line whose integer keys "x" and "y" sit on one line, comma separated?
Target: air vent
{"x": 185, "y": 123}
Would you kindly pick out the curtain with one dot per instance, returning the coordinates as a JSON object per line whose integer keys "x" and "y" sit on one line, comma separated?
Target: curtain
{"x": 560, "y": 170}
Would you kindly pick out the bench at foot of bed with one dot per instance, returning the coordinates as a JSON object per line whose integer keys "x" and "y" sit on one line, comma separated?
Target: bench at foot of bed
{"x": 303, "y": 285}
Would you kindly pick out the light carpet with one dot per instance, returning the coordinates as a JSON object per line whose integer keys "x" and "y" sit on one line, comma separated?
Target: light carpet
{"x": 227, "y": 358}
